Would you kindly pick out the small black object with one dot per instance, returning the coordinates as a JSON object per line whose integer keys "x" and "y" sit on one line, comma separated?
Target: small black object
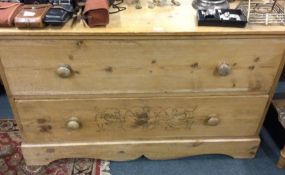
{"x": 61, "y": 2}
{"x": 35, "y": 1}
{"x": 82, "y": 2}
{"x": 222, "y": 17}
{"x": 116, "y": 4}
{"x": 2, "y": 90}
{"x": 59, "y": 15}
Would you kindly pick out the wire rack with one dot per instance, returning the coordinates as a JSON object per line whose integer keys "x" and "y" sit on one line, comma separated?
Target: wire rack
{"x": 271, "y": 13}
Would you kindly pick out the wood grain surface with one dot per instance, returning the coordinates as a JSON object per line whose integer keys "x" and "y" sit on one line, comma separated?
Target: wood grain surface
{"x": 42, "y": 154}
{"x": 141, "y": 66}
{"x": 110, "y": 119}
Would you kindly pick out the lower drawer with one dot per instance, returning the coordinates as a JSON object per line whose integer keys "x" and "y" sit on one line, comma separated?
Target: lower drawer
{"x": 106, "y": 119}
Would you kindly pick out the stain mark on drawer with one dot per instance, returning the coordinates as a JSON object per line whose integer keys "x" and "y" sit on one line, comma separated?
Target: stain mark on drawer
{"x": 50, "y": 150}
{"x": 79, "y": 44}
{"x": 256, "y": 59}
{"x": 109, "y": 69}
{"x": 234, "y": 64}
{"x": 45, "y": 128}
{"x": 233, "y": 84}
{"x": 41, "y": 121}
{"x": 195, "y": 65}
{"x": 153, "y": 61}
{"x": 196, "y": 144}
{"x": 252, "y": 67}
{"x": 76, "y": 72}
{"x": 121, "y": 152}
{"x": 70, "y": 57}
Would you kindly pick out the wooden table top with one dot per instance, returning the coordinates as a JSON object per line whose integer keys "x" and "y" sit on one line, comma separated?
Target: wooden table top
{"x": 166, "y": 20}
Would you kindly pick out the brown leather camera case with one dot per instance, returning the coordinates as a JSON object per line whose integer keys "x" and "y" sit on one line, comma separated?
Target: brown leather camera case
{"x": 8, "y": 11}
{"x": 96, "y": 12}
{"x": 31, "y": 16}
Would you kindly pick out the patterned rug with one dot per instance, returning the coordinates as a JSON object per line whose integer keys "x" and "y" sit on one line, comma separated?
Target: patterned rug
{"x": 12, "y": 162}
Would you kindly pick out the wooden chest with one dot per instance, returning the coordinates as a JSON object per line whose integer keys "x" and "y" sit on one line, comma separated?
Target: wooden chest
{"x": 158, "y": 87}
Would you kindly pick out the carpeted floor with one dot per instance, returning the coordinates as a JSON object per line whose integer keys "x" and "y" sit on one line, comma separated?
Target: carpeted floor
{"x": 5, "y": 110}
{"x": 14, "y": 164}
{"x": 263, "y": 164}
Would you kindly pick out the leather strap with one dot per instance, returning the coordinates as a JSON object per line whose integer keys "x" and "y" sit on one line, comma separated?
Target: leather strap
{"x": 36, "y": 6}
{"x": 8, "y": 6}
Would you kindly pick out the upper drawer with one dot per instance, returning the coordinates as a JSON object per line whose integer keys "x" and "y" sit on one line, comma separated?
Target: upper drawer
{"x": 140, "y": 66}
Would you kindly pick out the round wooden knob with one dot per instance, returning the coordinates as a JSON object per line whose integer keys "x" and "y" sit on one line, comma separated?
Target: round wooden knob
{"x": 73, "y": 123}
{"x": 223, "y": 69}
{"x": 212, "y": 120}
{"x": 64, "y": 70}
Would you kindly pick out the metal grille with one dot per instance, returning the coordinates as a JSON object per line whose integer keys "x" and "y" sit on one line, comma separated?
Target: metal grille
{"x": 263, "y": 13}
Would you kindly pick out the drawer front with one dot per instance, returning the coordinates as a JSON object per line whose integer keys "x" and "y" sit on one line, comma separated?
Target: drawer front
{"x": 141, "y": 66}
{"x": 139, "y": 118}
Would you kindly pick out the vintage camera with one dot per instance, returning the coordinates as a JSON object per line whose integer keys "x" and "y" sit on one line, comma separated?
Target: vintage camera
{"x": 58, "y": 15}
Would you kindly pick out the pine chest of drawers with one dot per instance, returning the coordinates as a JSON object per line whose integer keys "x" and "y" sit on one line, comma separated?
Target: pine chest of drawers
{"x": 161, "y": 89}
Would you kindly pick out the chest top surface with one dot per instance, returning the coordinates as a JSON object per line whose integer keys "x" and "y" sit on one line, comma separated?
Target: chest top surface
{"x": 166, "y": 20}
